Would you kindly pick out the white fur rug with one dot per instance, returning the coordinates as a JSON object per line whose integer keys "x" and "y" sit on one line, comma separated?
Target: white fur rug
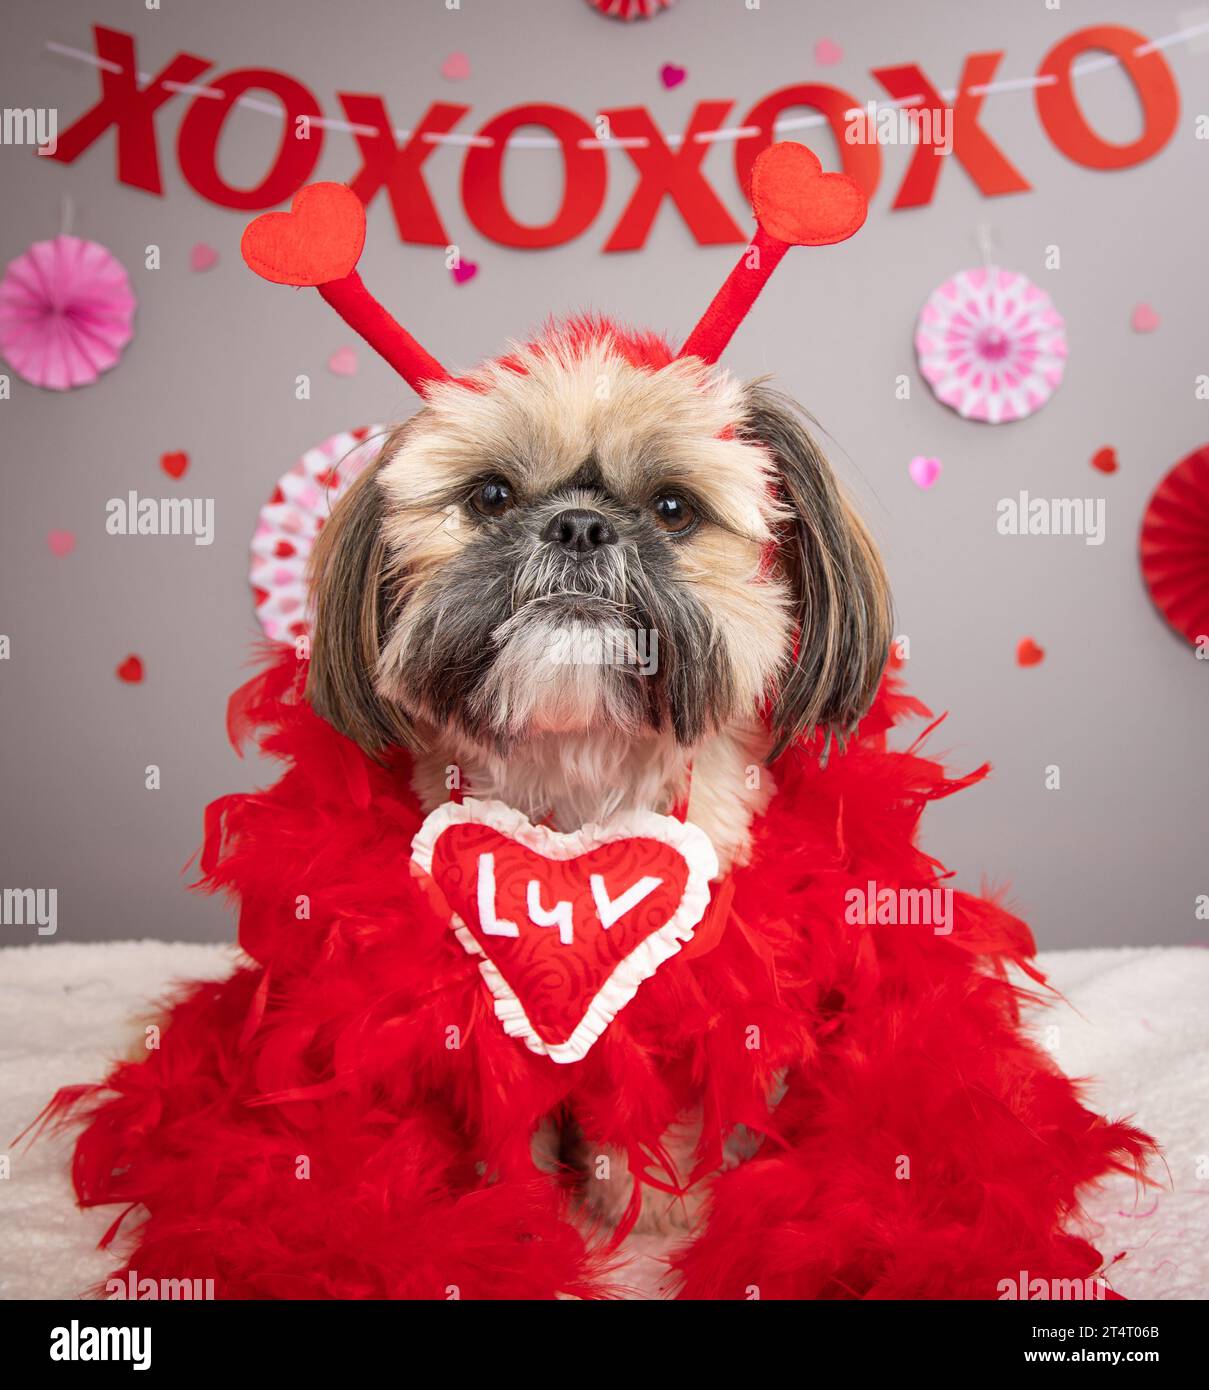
{"x": 1137, "y": 1021}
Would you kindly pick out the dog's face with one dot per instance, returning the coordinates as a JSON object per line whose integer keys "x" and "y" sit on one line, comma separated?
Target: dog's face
{"x": 569, "y": 540}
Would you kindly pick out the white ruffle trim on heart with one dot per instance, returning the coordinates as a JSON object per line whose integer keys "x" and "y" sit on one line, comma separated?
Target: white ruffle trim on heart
{"x": 689, "y": 840}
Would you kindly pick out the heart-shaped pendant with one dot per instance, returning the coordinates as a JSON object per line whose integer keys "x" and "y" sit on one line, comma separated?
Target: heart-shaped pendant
{"x": 568, "y": 925}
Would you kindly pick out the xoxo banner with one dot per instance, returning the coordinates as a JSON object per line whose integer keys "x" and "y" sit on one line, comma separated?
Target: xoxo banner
{"x": 387, "y": 162}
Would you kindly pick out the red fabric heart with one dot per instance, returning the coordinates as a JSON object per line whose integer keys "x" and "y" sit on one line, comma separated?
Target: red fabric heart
{"x": 318, "y": 240}
{"x": 1028, "y": 653}
{"x": 566, "y": 938}
{"x": 796, "y": 202}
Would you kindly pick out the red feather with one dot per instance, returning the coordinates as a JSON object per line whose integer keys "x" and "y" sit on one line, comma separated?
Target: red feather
{"x": 362, "y": 1128}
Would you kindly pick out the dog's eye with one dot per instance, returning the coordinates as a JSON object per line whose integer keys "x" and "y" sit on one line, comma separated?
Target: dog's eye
{"x": 673, "y": 513}
{"x": 492, "y": 498}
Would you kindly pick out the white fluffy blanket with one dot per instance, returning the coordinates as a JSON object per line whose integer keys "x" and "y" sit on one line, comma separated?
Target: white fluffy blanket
{"x": 1135, "y": 1020}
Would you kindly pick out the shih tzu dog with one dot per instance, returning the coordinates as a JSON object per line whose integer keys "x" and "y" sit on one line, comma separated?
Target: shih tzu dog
{"x": 589, "y": 627}
{"x": 576, "y": 581}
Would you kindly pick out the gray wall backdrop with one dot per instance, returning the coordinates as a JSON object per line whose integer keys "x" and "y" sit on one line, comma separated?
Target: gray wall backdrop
{"x": 1117, "y": 855}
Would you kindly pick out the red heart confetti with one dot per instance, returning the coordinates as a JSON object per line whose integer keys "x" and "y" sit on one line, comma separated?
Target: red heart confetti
{"x": 1028, "y": 653}
{"x": 463, "y": 271}
{"x": 1105, "y": 459}
{"x": 131, "y": 670}
{"x": 61, "y": 542}
{"x": 202, "y": 257}
{"x": 174, "y": 464}
{"x": 671, "y": 75}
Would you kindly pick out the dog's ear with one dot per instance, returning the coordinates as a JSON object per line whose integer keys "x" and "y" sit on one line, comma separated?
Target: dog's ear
{"x": 841, "y": 599}
{"x": 351, "y": 604}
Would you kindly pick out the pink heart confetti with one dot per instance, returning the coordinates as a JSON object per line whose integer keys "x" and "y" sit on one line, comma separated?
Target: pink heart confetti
{"x": 924, "y": 471}
{"x": 1144, "y": 319}
{"x": 671, "y": 75}
{"x": 463, "y": 271}
{"x": 827, "y": 52}
{"x": 61, "y": 542}
{"x": 456, "y": 67}
{"x": 202, "y": 257}
{"x": 343, "y": 362}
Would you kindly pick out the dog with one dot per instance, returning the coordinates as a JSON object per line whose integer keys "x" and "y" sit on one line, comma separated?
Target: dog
{"x": 616, "y": 599}
{"x": 571, "y": 490}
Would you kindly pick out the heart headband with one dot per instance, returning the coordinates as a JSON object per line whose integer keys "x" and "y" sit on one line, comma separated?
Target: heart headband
{"x": 319, "y": 241}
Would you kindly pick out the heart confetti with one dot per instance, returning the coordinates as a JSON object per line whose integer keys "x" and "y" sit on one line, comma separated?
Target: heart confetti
{"x": 202, "y": 257}
{"x": 1144, "y": 319}
{"x": 343, "y": 362}
{"x": 175, "y": 464}
{"x": 671, "y": 75}
{"x": 924, "y": 471}
{"x": 61, "y": 542}
{"x": 131, "y": 670}
{"x": 456, "y": 68}
{"x": 827, "y": 52}
{"x": 1105, "y": 460}
{"x": 1028, "y": 653}
{"x": 463, "y": 271}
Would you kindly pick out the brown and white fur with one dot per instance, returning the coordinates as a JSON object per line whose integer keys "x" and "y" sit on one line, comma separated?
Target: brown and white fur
{"x": 435, "y": 624}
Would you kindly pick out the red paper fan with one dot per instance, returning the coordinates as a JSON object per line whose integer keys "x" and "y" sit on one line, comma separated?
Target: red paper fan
{"x": 1175, "y": 546}
{"x": 630, "y": 9}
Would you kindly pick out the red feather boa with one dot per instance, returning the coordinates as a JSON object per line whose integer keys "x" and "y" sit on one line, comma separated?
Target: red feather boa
{"x": 308, "y": 1129}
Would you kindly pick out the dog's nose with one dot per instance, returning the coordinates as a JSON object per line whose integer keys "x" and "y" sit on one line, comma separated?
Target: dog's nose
{"x": 580, "y": 531}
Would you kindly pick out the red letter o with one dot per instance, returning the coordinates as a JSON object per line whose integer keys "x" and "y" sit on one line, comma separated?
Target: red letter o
{"x": 583, "y": 179}
{"x": 197, "y": 143}
{"x": 861, "y": 162}
{"x": 1063, "y": 120}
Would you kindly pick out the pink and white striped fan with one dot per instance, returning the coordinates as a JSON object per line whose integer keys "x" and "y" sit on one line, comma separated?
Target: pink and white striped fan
{"x": 291, "y": 519}
{"x": 991, "y": 345}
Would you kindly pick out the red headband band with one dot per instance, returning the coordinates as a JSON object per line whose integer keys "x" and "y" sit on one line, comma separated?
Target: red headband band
{"x": 319, "y": 241}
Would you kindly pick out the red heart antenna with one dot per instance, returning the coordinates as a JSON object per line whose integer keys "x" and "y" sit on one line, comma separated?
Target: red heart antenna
{"x": 796, "y": 204}
{"x": 318, "y": 242}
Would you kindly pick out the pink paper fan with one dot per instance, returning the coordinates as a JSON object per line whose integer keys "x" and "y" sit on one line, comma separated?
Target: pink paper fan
{"x": 291, "y": 519}
{"x": 991, "y": 345}
{"x": 66, "y": 313}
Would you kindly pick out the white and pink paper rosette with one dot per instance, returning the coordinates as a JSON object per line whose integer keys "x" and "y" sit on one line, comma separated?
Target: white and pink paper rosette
{"x": 291, "y": 519}
{"x": 66, "y": 313}
{"x": 991, "y": 345}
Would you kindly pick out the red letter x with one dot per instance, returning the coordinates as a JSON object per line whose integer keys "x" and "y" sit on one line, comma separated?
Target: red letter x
{"x": 679, "y": 175}
{"x": 398, "y": 166}
{"x": 983, "y": 160}
{"x": 124, "y": 105}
